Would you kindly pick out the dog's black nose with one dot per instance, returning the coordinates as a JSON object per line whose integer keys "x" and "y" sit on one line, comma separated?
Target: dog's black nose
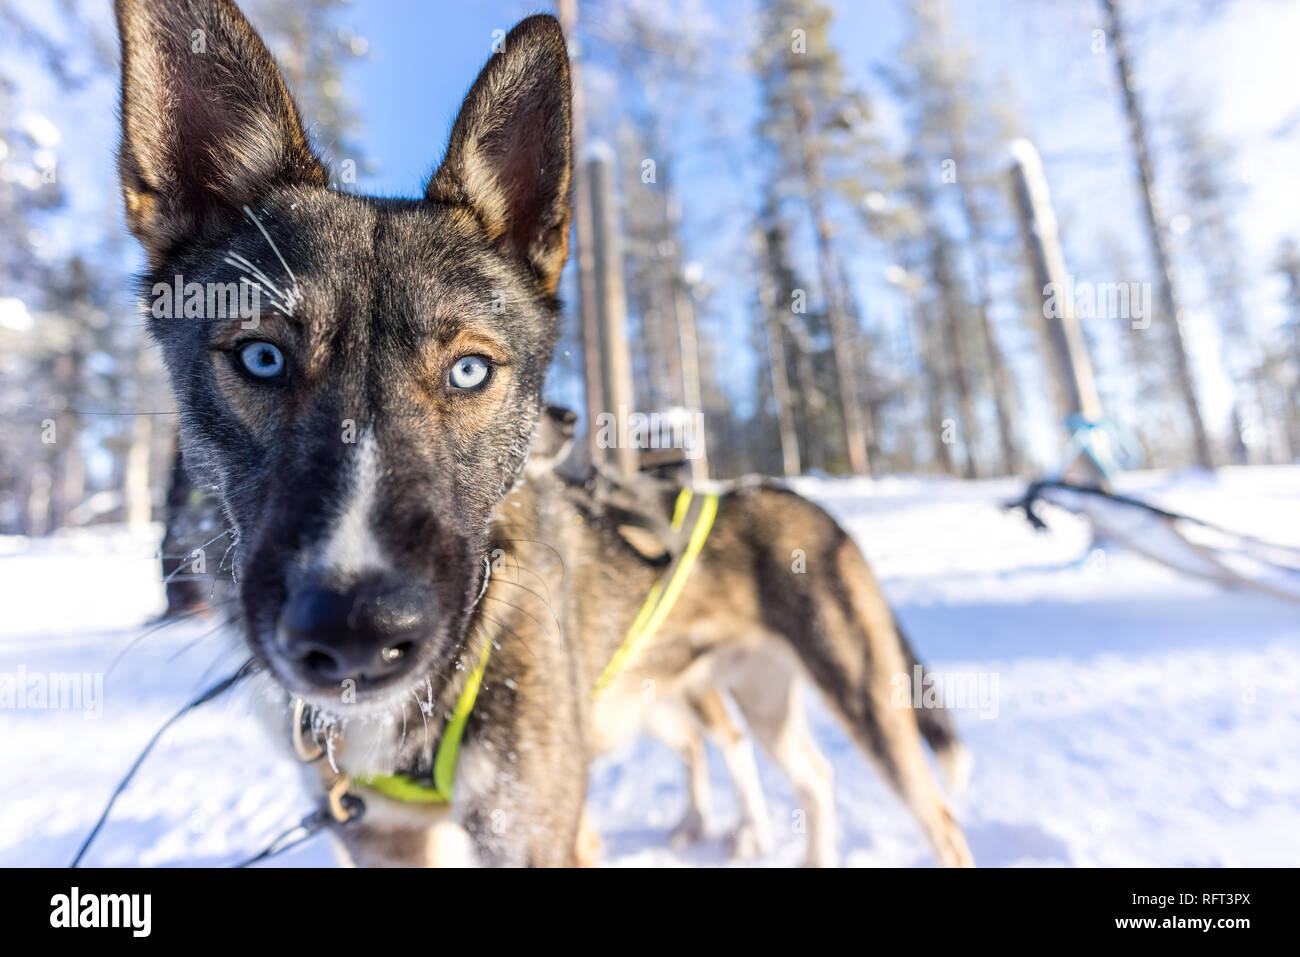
{"x": 369, "y": 631}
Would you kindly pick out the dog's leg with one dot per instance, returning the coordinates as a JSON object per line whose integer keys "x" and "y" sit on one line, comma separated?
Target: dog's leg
{"x": 753, "y": 835}
{"x": 770, "y": 696}
{"x": 587, "y": 850}
{"x": 672, "y": 724}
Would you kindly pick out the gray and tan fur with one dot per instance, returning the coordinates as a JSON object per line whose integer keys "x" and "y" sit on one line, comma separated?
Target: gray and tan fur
{"x": 369, "y": 488}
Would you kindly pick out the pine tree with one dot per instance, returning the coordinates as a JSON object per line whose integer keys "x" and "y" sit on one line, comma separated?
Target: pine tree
{"x": 1156, "y": 235}
{"x": 314, "y": 49}
{"x": 813, "y": 127}
{"x": 1213, "y": 242}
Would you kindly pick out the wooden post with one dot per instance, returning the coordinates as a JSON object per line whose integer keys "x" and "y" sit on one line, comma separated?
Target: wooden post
{"x": 588, "y": 315}
{"x": 1078, "y": 390}
{"x": 611, "y": 310}
{"x": 692, "y": 395}
{"x": 136, "y": 492}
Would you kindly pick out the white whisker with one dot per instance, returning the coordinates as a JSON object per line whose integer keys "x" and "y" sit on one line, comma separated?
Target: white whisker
{"x": 295, "y": 294}
{"x": 235, "y": 259}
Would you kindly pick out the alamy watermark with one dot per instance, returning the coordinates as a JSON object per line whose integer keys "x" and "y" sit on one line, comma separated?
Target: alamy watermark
{"x": 24, "y": 690}
{"x": 1100, "y": 300}
{"x": 673, "y": 429}
{"x": 179, "y": 299}
{"x": 133, "y": 912}
{"x": 954, "y": 690}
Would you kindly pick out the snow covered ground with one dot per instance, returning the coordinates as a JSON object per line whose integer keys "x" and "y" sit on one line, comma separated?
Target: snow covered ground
{"x": 1130, "y": 716}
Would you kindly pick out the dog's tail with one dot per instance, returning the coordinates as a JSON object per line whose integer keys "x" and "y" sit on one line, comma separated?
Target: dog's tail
{"x": 938, "y": 729}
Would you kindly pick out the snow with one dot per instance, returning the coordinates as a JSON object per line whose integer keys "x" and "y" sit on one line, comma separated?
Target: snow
{"x": 1137, "y": 717}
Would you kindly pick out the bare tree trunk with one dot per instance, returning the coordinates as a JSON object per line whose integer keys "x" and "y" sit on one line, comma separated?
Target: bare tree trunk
{"x": 688, "y": 344}
{"x": 68, "y": 478}
{"x": 1004, "y": 398}
{"x": 776, "y": 360}
{"x": 686, "y": 351}
{"x": 1156, "y": 236}
{"x": 950, "y": 306}
{"x": 69, "y": 482}
{"x": 36, "y": 503}
{"x": 933, "y": 386}
{"x": 855, "y": 437}
{"x": 809, "y": 395}
{"x": 951, "y": 303}
{"x": 671, "y": 325}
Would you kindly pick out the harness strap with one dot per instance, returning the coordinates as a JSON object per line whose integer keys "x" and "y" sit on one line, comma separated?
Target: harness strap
{"x": 404, "y": 787}
{"x": 663, "y": 595}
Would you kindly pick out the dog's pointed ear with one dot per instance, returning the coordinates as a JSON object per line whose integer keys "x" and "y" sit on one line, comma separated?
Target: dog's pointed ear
{"x": 509, "y": 158}
{"x": 207, "y": 121}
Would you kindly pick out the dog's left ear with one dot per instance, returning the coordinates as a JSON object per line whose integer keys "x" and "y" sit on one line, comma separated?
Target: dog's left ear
{"x": 510, "y": 154}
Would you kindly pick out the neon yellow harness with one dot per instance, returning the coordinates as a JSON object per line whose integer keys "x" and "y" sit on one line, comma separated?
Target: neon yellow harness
{"x": 403, "y": 787}
{"x": 663, "y": 595}
{"x": 658, "y": 604}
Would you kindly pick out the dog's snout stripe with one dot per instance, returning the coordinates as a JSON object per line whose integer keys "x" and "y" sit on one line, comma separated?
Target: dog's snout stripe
{"x": 350, "y": 547}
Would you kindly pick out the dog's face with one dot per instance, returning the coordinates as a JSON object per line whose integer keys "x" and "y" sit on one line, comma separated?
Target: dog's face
{"x": 362, "y": 427}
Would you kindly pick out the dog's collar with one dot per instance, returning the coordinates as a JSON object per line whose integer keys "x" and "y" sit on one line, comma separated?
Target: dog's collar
{"x": 436, "y": 788}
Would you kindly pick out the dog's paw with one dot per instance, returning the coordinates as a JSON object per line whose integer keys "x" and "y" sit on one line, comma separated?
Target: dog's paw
{"x": 749, "y": 841}
{"x": 821, "y": 854}
{"x": 689, "y": 831}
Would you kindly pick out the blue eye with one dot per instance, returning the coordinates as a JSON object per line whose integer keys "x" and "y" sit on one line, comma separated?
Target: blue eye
{"x": 469, "y": 372}
{"x": 262, "y": 359}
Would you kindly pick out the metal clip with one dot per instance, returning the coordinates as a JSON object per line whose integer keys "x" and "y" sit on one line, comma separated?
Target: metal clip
{"x": 343, "y": 807}
{"x": 303, "y": 745}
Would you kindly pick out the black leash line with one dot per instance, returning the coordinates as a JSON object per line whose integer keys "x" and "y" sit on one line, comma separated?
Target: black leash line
{"x": 311, "y": 825}
{"x": 222, "y": 686}
{"x": 304, "y": 830}
{"x": 307, "y": 828}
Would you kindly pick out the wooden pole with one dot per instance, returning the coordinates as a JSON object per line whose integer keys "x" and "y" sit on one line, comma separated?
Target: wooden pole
{"x": 611, "y": 310}
{"x": 588, "y": 315}
{"x": 687, "y": 342}
{"x": 1077, "y": 388}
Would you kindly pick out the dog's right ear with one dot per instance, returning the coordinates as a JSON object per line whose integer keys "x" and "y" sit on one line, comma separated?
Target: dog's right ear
{"x": 509, "y": 157}
{"x": 208, "y": 125}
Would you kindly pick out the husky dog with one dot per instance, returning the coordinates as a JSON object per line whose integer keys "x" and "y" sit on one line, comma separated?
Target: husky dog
{"x": 398, "y": 574}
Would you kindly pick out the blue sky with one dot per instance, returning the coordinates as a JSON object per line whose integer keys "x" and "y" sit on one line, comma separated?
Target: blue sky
{"x": 424, "y": 57}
